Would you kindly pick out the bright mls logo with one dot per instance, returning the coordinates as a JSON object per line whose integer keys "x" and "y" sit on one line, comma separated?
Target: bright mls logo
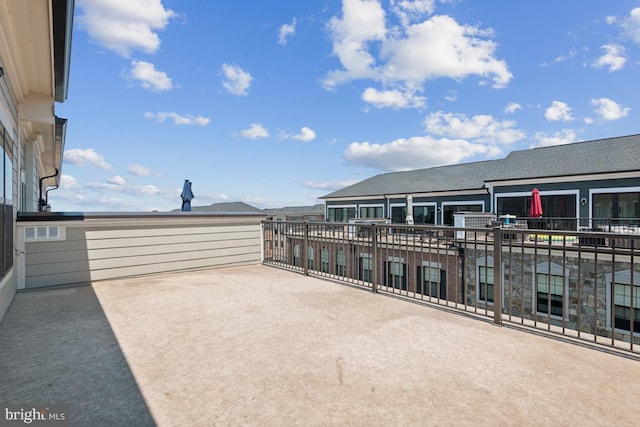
{"x": 35, "y": 415}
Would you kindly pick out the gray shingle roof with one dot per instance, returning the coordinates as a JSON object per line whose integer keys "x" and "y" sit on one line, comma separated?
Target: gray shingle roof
{"x": 580, "y": 158}
{"x": 297, "y": 210}
{"x": 228, "y": 207}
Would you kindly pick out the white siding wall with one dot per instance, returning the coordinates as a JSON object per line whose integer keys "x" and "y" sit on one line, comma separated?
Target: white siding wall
{"x": 99, "y": 249}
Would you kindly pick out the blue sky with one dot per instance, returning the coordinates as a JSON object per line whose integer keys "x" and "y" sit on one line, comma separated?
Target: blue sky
{"x": 276, "y": 103}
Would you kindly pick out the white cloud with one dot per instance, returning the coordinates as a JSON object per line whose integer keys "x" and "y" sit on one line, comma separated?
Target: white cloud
{"x": 559, "y": 111}
{"x": 67, "y": 182}
{"x": 116, "y": 180}
{"x": 393, "y": 99}
{"x": 143, "y": 190}
{"x": 124, "y": 25}
{"x": 255, "y": 131}
{"x": 512, "y": 107}
{"x": 608, "y": 109}
{"x": 149, "y": 77}
{"x": 482, "y": 128}
{"x": 305, "y": 135}
{"x": 409, "y": 11}
{"x": 363, "y": 22}
{"x": 610, "y": 20}
{"x": 178, "y": 119}
{"x": 614, "y": 58}
{"x": 631, "y": 25}
{"x": 237, "y": 81}
{"x": 139, "y": 170}
{"x": 414, "y": 153}
{"x": 86, "y": 157}
{"x": 438, "y": 47}
{"x": 286, "y": 31}
{"x": 329, "y": 186}
{"x": 565, "y": 136}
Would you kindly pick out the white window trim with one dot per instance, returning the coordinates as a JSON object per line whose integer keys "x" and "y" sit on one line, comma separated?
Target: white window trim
{"x": 459, "y": 202}
{"x": 556, "y": 270}
{"x": 368, "y": 205}
{"x": 622, "y": 277}
{"x": 488, "y": 261}
{"x": 609, "y": 190}
{"x": 61, "y": 233}
{"x": 570, "y": 192}
{"x": 341, "y": 207}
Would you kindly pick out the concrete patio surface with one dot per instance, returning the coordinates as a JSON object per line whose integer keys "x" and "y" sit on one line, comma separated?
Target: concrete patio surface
{"x": 262, "y": 346}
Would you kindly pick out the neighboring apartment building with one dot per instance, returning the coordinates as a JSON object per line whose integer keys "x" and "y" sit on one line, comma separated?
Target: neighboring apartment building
{"x": 585, "y": 180}
{"x": 35, "y": 50}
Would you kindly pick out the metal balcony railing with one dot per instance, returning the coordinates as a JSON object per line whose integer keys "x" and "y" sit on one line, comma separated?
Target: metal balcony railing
{"x": 579, "y": 284}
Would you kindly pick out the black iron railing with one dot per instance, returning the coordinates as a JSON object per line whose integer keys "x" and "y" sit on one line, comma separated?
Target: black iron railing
{"x": 580, "y": 284}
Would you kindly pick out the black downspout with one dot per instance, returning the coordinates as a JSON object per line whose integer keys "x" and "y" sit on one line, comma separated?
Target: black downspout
{"x": 46, "y": 194}
{"x": 42, "y": 203}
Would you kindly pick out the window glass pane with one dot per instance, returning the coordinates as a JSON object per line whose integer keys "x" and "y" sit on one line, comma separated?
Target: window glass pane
{"x": 486, "y": 275}
{"x": 340, "y": 258}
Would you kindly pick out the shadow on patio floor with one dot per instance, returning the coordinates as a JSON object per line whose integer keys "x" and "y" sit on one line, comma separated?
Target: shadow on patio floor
{"x": 57, "y": 347}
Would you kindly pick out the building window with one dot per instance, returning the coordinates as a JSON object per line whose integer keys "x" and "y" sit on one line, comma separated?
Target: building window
{"x": 449, "y": 210}
{"x": 310, "y": 258}
{"x": 424, "y": 215}
{"x": 623, "y": 207}
{"x": 398, "y": 214}
{"x": 296, "y": 255}
{"x": 429, "y": 281}
{"x": 324, "y": 260}
{"x": 371, "y": 212}
{"x": 366, "y": 268}
{"x": 549, "y": 294}
{"x": 627, "y": 307}
{"x": 341, "y": 263}
{"x": 397, "y": 274}
{"x": 485, "y": 283}
{"x": 341, "y": 214}
{"x": 6, "y": 199}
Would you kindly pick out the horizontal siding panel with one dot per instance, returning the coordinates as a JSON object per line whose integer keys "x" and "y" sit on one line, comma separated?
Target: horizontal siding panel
{"x": 92, "y": 252}
{"x": 120, "y": 233}
{"x": 127, "y": 261}
{"x": 60, "y": 256}
{"x": 56, "y": 246}
{"x": 87, "y": 277}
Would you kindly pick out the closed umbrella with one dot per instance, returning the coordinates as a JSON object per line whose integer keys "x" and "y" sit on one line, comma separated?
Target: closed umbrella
{"x": 535, "y": 211}
{"x": 187, "y": 196}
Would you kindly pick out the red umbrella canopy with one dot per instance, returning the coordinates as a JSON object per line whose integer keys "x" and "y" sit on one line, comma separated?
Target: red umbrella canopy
{"x": 535, "y": 211}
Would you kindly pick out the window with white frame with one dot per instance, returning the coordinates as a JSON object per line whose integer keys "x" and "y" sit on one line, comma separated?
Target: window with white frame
{"x": 396, "y": 273}
{"x": 341, "y": 263}
{"x": 627, "y": 307}
{"x": 296, "y": 255}
{"x": 551, "y": 289}
{"x": 366, "y": 268}
{"x": 310, "y": 258}
{"x": 549, "y": 294}
{"x": 626, "y": 300}
{"x": 486, "y": 283}
{"x": 324, "y": 260}
{"x": 429, "y": 281}
{"x": 371, "y": 212}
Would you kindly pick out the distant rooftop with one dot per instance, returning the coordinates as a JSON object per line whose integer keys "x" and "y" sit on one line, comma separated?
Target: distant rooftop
{"x": 620, "y": 154}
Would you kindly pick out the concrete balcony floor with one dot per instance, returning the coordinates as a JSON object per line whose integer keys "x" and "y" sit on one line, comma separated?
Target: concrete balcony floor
{"x": 262, "y": 346}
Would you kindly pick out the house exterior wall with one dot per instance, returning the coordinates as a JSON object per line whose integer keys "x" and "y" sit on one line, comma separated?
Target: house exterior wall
{"x": 98, "y": 248}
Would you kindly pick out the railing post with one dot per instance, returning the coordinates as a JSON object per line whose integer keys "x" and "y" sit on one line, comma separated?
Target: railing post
{"x": 305, "y": 250}
{"x": 497, "y": 276}
{"x": 374, "y": 250}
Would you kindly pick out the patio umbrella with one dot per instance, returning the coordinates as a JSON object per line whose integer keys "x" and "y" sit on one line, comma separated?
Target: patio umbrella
{"x": 535, "y": 211}
{"x": 187, "y": 196}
